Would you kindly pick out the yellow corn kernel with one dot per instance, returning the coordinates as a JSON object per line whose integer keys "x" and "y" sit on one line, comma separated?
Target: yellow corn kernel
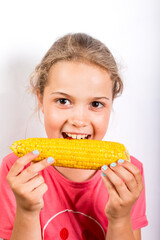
{"x": 81, "y": 153}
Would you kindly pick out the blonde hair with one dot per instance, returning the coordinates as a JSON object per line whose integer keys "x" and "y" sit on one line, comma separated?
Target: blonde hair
{"x": 78, "y": 47}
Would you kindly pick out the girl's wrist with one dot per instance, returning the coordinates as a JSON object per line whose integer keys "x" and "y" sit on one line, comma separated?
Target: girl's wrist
{"x": 27, "y": 213}
{"x": 120, "y": 228}
{"x": 120, "y": 222}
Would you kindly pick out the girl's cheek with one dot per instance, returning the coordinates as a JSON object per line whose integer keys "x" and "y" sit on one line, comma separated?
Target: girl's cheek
{"x": 55, "y": 118}
{"x": 103, "y": 119}
{"x": 100, "y": 125}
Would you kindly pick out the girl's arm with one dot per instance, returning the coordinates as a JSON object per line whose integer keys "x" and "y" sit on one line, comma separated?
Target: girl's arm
{"x": 26, "y": 226}
{"x": 28, "y": 187}
{"x": 122, "y": 231}
{"x": 124, "y": 184}
{"x": 137, "y": 234}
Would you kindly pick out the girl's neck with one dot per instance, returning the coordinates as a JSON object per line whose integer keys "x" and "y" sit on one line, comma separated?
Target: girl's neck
{"x": 76, "y": 175}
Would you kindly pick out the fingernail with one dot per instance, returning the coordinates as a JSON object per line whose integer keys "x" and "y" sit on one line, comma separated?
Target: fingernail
{"x": 120, "y": 161}
{"x": 104, "y": 167}
{"x": 113, "y": 164}
{"x": 103, "y": 174}
{"x": 50, "y": 159}
{"x": 35, "y": 152}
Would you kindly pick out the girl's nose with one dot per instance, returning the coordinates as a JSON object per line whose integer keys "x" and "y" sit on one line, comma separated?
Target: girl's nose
{"x": 77, "y": 123}
{"x": 78, "y": 118}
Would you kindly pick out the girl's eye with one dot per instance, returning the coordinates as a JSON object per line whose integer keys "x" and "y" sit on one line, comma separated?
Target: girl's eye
{"x": 96, "y": 104}
{"x": 62, "y": 101}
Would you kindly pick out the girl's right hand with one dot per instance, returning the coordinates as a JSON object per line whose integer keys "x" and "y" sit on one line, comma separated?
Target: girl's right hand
{"x": 28, "y": 185}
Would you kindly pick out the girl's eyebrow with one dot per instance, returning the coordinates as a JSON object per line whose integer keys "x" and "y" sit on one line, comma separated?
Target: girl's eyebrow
{"x": 67, "y": 95}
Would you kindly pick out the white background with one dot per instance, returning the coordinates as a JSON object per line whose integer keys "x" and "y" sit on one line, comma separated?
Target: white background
{"x": 131, "y": 31}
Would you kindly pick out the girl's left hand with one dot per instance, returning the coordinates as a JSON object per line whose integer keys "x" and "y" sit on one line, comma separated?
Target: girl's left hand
{"x": 124, "y": 184}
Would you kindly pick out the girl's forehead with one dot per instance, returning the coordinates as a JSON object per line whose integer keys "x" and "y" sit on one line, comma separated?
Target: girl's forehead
{"x": 78, "y": 75}
{"x": 76, "y": 67}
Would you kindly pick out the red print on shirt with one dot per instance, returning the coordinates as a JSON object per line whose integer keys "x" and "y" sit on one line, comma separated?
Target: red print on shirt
{"x": 72, "y": 225}
{"x": 64, "y": 233}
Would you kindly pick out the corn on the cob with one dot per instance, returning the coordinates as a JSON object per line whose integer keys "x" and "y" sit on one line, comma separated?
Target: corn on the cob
{"x": 82, "y": 153}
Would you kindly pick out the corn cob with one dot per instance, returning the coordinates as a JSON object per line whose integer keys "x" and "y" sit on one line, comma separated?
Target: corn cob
{"x": 82, "y": 153}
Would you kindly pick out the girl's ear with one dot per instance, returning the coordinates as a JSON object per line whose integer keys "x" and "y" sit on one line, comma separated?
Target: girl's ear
{"x": 40, "y": 102}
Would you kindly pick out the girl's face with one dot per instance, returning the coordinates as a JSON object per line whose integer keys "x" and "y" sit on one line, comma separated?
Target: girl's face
{"x": 77, "y": 100}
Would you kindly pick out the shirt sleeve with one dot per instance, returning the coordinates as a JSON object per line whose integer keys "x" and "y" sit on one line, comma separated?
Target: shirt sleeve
{"x": 7, "y": 202}
{"x": 138, "y": 215}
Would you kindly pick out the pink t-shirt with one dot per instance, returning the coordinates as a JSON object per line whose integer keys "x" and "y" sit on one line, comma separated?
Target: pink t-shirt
{"x": 71, "y": 210}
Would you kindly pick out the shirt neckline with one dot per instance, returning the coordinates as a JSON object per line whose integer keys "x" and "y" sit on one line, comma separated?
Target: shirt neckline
{"x": 73, "y": 184}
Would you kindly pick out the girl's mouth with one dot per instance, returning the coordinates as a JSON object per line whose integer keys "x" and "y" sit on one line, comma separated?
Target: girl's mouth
{"x": 75, "y": 136}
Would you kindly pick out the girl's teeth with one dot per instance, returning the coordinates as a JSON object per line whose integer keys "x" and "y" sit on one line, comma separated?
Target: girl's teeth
{"x": 74, "y": 136}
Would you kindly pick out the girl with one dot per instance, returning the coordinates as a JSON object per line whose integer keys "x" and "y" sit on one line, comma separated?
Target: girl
{"x": 75, "y": 83}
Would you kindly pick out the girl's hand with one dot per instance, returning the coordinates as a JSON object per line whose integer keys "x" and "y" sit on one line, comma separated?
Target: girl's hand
{"x": 124, "y": 184}
{"x": 28, "y": 185}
